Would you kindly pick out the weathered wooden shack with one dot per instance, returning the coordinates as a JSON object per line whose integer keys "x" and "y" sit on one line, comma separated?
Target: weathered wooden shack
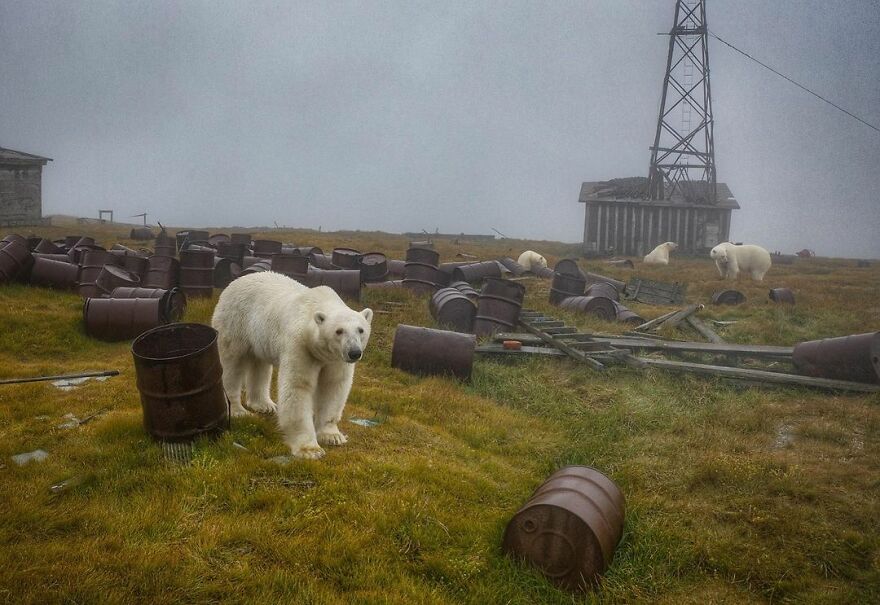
{"x": 21, "y": 177}
{"x": 619, "y": 221}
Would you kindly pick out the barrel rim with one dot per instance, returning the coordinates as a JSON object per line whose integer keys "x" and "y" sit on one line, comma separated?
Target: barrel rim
{"x": 172, "y": 326}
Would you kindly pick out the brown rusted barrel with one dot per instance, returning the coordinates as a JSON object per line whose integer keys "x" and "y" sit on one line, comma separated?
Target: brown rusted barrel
{"x": 173, "y": 300}
{"x": 14, "y": 237}
{"x": 321, "y": 261}
{"x": 141, "y": 233}
{"x": 164, "y": 247}
{"x": 180, "y": 382}
{"x": 54, "y": 274}
{"x": 728, "y": 297}
{"x": 498, "y": 306}
{"x": 374, "y": 267}
{"x": 623, "y": 263}
{"x": 258, "y": 267}
{"x": 242, "y": 239}
{"x": 162, "y": 272}
{"x": 292, "y": 265}
{"x": 197, "y": 273}
{"x": 86, "y": 242}
{"x": 345, "y": 282}
{"x": 852, "y": 357}
{"x": 45, "y": 246}
{"x": 136, "y": 264}
{"x": 565, "y": 286}
{"x": 447, "y": 269}
{"x": 452, "y": 309}
{"x": 396, "y": 269}
{"x": 247, "y": 261}
{"x": 600, "y": 306}
{"x": 70, "y": 240}
{"x": 428, "y": 352}
{"x": 593, "y": 278}
{"x": 628, "y": 316}
{"x": 265, "y": 248}
{"x": 234, "y": 252}
{"x": 426, "y": 244}
{"x": 511, "y": 265}
{"x": 225, "y": 271}
{"x": 543, "y": 272}
{"x": 216, "y": 239}
{"x": 308, "y": 250}
{"x": 112, "y": 277}
{"x": 346, "y": 258}
{"x": 426, "y": 256}
{"x": 782, "y": 295}
{"x": 569, "y": 528}
{"x": 77, "y": 254}
{"x": 63, "y": 258}
{"x": 601, "y": 288}
{"x": 421, "y": 278}
{"x": 113, "y": 319}
{"x": 477, "y": 272}
{"x": 15, "y": 260}
{"x": 465, "y": 288}
{"x": 569, "y": 266}
{"x": 91, "y": 265}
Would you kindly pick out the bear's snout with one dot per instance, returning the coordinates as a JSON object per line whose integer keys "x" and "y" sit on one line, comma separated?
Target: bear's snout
{"x": 354, "y": 355}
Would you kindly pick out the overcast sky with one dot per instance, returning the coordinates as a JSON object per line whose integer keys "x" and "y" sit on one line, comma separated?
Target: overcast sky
{"x": 462, "y": 116}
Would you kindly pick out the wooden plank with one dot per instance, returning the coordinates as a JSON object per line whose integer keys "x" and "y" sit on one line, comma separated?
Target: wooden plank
{"x": 680, "y": 316}
{"x": 564, "y": 330}
{"x": 650, "y": 324}
{"x": 569, "y": 350}
{"x": 707, "y": 332}
{"x": 496, "y": 349}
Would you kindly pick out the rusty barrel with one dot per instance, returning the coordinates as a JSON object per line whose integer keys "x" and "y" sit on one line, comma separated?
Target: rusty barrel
{"x": 112, "y": 277}
{"x": 14, "y": 237}
{"x": 247, "y": 261}
{"x": 164, "y": 247}
{"x": 447, "y": 269}
{"x": 782, "y": 295}
{"x": 114, "y": 319}
{"x": 216, "y": 239}
{"x": 322, "y": 261}
{"x": 173, "y": 299}
{"x": 374, "y": 267}
{"x": 290, "y": 264}
{"x": 162, "y": 272}
{"x": 180, "y": 380}
{"x": 345, "y": 282}
{"x": 421, "y": 278}
{"x": 70, "y": 240}
{"x": 134, "y": 263}
{"x": 197, "y": 273}
{"x": 141, "y": 233}
{"x": 477, "y": 272}
{"x": 346, "y": 258}
{"x": 728, "y": 297}
{"x": 600, "y": 306}
{"x": 628, "y": 316}
{"x": 855, "y": 357}
{"x": 569, "y": 266}
{"x": 45, "y": 246}
{"x": 569, "y": 528}
{"x": 258, "y": 267}
{"x": 59, "y": 257}
{"x": 91, "y": 264}
{"x": 601, "y": 288}
{"x": 225, "y": 271}
{"x": 396, "y": 269}
{"x": 54, "y": 274}
{"x": 234, "y": 252}
{"x": 427, "y": 352}
{"x": 85, "y": 241}
{"x": 498, "y": 306}
{"x": 623, "y": 263}
{"x": 452, "y": 309}
{"x": 427, "y": 245}
{"x": 565, "y": 286}
{"x": 15, "y": 260}
{"x": 543, "y": 272}
{"x": 427, "y": 256}
{"x": 243, "y": 239}
{"x": 465, "y": 288}
{"x": 593, "y": 278}
{"x": 265, "y": 248}
{"x": 511, "y": 265}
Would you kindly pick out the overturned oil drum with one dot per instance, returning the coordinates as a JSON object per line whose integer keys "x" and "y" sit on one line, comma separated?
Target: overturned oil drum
{"x": 180, "y": 382}
{"x": 628, "y": 316}
{"x": 44, "y": 246}
{"x": 601, "y": 288}
{"x": 565, "y": 286}
{"x": 543, "y": 272}
{"x": 63, "y": 258}
{"x": 219, "y": 238}
{"x": 162, "y": 272}
{"x": 54, "y": 274}
{"x": 91, "y": 265}
{"x": 141, "y": 233}
{"x": 396, "y": 269}
{"x": 225, "y": 271}
{"x": 265, "y": 248}
{"x": 600, "y": 306}
{"x": 243, "y": 239}
{"x": 173, "y": 300}
{"x": 322, "y": 261}
{"x": 450, "y": 308}
{"x": 234, "y": 252}
{"x": 447, "y": 269}
{"x": 511, "y": 265}
{"x": 164, "y": 246}
{"x": 70, "y": 240}
{"x": 477, "y": 272}
{"x": 374, "y": 267}
{"x": 112, "y": 277}
{"x": 257, "y": 267}
{"x": 428, "y": 352}
{"x": 421, "y": 278}
{"x": 855, "y": 358}
{"x": 728, "y": 297}
{"x": 569, "y": 266}
{"x": 197, "y": 273}
{"x": 15, "y": 260}
{"x": 465, "y": 288}
{"x": 135, "y": 264}
{"x": 291, "y": 265}
{"x": 782, "y": 295}
{"x": 593, "y": 278}
{"x": 346, "y": 258}
{"x": 569, "y": 528}
{"x": 113, "y": 319}
{"x": 427, "y": 256}
{"x": 345, "y": 282}
{"x": 14, "y": 237}
{"x": 427, "y": 245}
{"x": 623, "y": 263}
{"x": 195, "y": 236}
{"x": 498, "y": 306}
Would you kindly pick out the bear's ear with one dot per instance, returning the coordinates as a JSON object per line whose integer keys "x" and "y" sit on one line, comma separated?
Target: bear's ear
{"x": 319, "y": 318}
{"x": 368, "y": 315}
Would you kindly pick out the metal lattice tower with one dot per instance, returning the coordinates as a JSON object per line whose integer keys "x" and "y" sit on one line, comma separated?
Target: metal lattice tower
{"x": 683, "y": 154}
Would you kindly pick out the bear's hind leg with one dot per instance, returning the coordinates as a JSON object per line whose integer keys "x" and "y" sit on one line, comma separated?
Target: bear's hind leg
{"x": 334, "y": 385}
{"x": 233, "y": 379}
{"x": 259, "y": 382}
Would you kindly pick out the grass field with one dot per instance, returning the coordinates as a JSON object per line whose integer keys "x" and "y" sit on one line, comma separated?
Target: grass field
{"x": 734, "y": 494}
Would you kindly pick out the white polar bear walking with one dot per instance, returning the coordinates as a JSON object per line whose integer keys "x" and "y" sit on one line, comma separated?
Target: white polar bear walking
{"x": 267, "y": 319}
{"x": 660, "y": 254}
{"x": 731, "y": 259}
{"x": 531, "y": 260}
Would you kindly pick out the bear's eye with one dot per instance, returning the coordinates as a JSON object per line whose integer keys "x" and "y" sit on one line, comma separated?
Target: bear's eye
{"x": 339, "y": 331}
{"x": 360, "y": 330}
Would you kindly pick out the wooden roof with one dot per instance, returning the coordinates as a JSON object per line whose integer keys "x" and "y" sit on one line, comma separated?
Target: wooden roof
{"x": 11, "y": 156}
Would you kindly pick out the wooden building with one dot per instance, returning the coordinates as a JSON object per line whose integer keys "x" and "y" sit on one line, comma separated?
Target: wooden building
{"x": 631, "y": 225}
{"x": 21, "y": 176}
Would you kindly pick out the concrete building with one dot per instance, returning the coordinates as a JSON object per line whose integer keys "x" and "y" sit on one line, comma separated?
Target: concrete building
{"x": 21, "y": 176}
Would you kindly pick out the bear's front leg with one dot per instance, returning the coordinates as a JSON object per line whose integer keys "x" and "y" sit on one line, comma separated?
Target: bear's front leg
{"x": 296, "y": 409}
{"x": 334, "y": 385}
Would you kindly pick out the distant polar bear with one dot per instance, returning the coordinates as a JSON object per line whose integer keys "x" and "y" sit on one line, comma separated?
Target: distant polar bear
{"x": 311, "y": 336}
{"x": 531, "y": 260}
{"x": 731, "y": 259}
{"x": 660, "y": 254}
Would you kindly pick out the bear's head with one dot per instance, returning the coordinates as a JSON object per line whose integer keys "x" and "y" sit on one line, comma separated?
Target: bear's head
{"x": 671, "y": 246}
{"x": 343, "y": 333}
{"x": 540, "y": 262}
{"x": 719, "y": 253}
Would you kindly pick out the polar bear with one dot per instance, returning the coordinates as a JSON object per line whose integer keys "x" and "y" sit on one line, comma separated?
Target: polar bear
{"x": 313, "y": 339}
{"x": 660, "y": 254}
{"x": 731, "y": 259}
{"x": 532, "y": 260}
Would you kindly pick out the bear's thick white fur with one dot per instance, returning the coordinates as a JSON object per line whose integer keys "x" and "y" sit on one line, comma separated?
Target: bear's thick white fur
{"x": 313, "y": 339}
{"x": 660, "y": 254}
{"x": 531, "y": 260}
{"x": 731, "y": 259}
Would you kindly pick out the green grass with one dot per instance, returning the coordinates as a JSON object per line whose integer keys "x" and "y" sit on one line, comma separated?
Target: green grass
{"x": 733, "y": 494}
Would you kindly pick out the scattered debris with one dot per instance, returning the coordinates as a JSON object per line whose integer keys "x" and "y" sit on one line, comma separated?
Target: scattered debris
{"x": 64, "y": 379}
{"x": 179, "y": 453}
{"x": 239, "y": 446}
{"x": 367, "y": 422}
{"x": 34, "y": 456}
{"x": 282, "y": 460}
{"x": 65, "y": 485}
{"x": 73, "y": 421}
{"x": 655, "y": 292}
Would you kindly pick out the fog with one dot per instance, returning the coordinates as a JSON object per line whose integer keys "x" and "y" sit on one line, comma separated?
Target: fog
{"x": 457, "y": 116}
